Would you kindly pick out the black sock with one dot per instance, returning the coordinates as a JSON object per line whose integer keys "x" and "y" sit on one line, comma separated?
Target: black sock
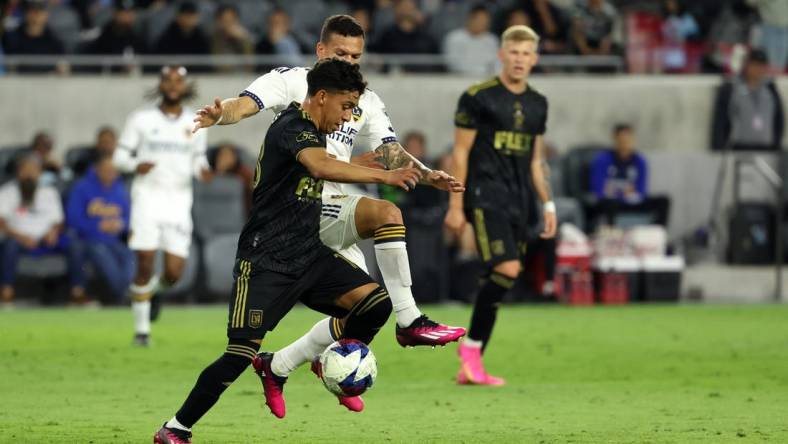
{"x": 368, "y": 316}
{"x": 486, "y": 307}
{"x": 215, "y": 379}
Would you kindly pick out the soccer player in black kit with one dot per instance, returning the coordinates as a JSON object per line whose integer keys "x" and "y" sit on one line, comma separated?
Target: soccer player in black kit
{"x": 498, "y": 148}
{"x": 280, "y": 258}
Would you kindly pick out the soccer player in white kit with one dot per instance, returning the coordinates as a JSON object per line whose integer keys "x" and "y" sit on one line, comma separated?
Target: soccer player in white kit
{"x": 347, "y": 219}
{"x": 158, "y": 146}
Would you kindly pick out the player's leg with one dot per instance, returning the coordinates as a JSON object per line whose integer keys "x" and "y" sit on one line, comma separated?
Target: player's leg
{"x": 382, "y": 220}
{"x": 252, "y": 295}
{"x": 498, "y": 247}
{"x": 176, "y": 241}
{"x": 140, "y": 292}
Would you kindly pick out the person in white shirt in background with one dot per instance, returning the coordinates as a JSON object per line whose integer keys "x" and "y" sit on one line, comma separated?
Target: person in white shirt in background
{"x": 347, "y": 219}
{"x": 471, "y": 50}
{"x": 31, "y": 221}
{"x": 158, "y": 146}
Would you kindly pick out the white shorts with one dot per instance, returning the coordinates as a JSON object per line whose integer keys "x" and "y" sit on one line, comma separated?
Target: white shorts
{"x": 338, "y": 227}
{"x": 152, "y": 233}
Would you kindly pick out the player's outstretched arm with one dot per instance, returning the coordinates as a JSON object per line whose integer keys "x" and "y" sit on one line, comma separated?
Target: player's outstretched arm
{"x": 463, "y": 142}
{"x": 225, "y": 112}
{"x": 540, "y": 172}
{"x": 322, "y": 166}
{"x": 393, "y": 156}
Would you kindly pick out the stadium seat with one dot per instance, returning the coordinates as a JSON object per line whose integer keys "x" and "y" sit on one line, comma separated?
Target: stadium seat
{"x": 8, "y": 156}
{"x": 576, "y": 167}
{"x": 221, "y": 196}
{"x": 76, "y": 154}
{"x": 219, "y": 258}
{"x": 43, "y": 267}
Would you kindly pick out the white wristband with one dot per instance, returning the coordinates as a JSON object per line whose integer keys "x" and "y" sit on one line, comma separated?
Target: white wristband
{"x": 549, "y": 206}
{"x": 221, "y": 116}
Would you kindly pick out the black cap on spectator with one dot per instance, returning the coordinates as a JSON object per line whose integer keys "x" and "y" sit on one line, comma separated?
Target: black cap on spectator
{"x": 187, "y": 7}
{"x": 34, "y": 4}
{"x": 757, "y": 56}
{"x": 124, "y": 5}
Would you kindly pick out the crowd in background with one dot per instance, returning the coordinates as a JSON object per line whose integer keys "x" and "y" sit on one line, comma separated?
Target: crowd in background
{"x": 454, "y": 35}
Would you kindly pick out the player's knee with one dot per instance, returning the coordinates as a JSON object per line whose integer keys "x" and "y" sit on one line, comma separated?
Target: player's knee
{"x": 368, "y": 316}
{"x": 388, "y": 213}
{"x": 508, "y": 269}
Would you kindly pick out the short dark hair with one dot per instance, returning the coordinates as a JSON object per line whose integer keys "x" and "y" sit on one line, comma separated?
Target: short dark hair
{"x": 477, "y": 8}
{"x": 621, "y": 127}
{"x": 335, "y": 75}
{"x": 343, "y": 25}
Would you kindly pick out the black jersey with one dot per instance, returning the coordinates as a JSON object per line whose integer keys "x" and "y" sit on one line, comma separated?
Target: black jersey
{"x": 499, "y": 164}
{"x": 282, "y": 233}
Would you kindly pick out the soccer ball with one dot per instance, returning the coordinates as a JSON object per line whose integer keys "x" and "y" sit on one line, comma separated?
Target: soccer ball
{"x": 348, "y": 367}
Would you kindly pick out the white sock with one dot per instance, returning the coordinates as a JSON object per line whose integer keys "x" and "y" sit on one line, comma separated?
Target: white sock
{"x": 174, "y": 424}
{"x": 141, "y": 310}
{"x": 140, "y": 305}
{"x": 304, "y": 349}
{"x": 472, "y": 343}
{"x": 394, "y": 267}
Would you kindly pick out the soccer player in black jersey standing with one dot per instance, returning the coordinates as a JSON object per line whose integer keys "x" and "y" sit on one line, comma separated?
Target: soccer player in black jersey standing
{"x": 280, "y": 259}
{"x": 498, "y": 149}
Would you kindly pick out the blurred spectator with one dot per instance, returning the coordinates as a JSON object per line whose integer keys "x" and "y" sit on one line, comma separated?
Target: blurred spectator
{"x": 225, "y": 160}
{"x": 748, "y": 110}
{"x": 592, "y": 28}
{"x": 33, "y": 37}
{"x": 279, "y": 40}
{"x": 619, "y": 180}
{"x": 774, "y": 31}
{"x": 184, "y": 35}
{"x": 407, "y": 36}
{"x": 119, "y": 36}
{"x": 229, "y": 35}
{"x": 730, "y": 28}
{"x": 472, "y": 50}
{"x": 42, "y": 147}
{"x": 543, "y": 17}
{"x": 98, "y": 212}
{"x": 363, "y": 18}
{"x": 31, "y": 218}
{"x": 678, "y": 27}
{"x": 106, "y": 141}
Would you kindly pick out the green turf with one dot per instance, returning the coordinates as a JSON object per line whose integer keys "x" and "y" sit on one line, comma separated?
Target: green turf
{"x": 661, "y": 374}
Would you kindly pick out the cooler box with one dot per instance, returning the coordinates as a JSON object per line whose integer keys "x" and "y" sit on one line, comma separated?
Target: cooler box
{"x": 661, "y": 278}
{"x": 616, "y": 279}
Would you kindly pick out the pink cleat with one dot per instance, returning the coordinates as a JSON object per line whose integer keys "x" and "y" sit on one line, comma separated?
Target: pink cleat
{"x": 273, "y": 385}
{"x": 166, "y": 435}
{"x": 352, "y": 403}
{"x": 472, "y": 369}
{"x": 424, "y": 331}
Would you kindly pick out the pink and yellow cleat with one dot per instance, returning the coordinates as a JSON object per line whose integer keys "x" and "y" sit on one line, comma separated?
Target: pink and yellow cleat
{"x": 424, "y": 331}
{"x": 472, "y": 370}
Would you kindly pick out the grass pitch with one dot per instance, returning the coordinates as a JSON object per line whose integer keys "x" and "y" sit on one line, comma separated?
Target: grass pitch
{"x": 638, "y": 374}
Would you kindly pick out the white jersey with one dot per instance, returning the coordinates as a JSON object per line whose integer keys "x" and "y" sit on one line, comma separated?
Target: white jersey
{"x": 168, "y": 143}
{"x": 369, "y": 128}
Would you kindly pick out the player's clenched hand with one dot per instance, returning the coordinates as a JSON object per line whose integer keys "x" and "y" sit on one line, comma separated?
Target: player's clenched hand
{"x": 144, "y": 167}
{"x": 206, "y": 175}
{"x": 455, "y": 221}
{"x": 369, "y": 160}
{"x": 444, "y": 181}
{"x": 208, "y": 115}
{"x": 550, "y": 225}
{"x": 405, "y": 178}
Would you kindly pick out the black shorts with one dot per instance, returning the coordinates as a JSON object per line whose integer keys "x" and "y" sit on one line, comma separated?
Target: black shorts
{"x": 498, "y": 239}
{"x": 261, "y": 298}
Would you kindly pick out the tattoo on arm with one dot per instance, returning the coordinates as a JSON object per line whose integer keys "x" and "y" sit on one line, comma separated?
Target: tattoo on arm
{"x": 394, "y": 156}
{"x": 545, "y": 167}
